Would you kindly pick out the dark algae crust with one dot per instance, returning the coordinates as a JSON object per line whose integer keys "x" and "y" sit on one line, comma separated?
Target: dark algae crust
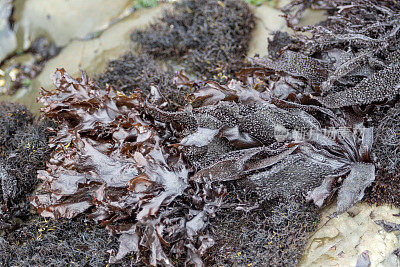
{"x": 229, "y": 164}
{"x": 133, "y": 73}
{"x": 210, "y": 36}
{"x": 23, "y": 150}
{"x": 44, "y": 242}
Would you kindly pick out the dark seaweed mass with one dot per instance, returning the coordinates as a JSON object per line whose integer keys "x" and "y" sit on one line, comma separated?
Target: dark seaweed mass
{"x": 386, "y": 189}
{"x": 133, "y": 73}
{"x": 25, "y": 238}
{"x": 314, "y": 122}
{"x": 273, "y": 234}
{"x": 23, "y": 150}
{"x": 42, "y": 242}
{"x": 210, "y": 36}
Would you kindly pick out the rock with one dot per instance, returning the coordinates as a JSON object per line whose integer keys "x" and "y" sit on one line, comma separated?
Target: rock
{"x": 341, "y": 240}
{"x": 363, "y": 260}
{"x": 353, "y": 211}
{"x": 90, "y": 55}
{"x": 8, "y": 39}
{"x": 392, "y": 260}
{"x": 268, "y": 20}
{"x": 37, "y": 18}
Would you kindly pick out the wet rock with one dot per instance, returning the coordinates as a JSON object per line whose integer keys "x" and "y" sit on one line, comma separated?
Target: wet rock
{"x": 269, "y": 19}
{"x": 9, "y": 71}
{"x": 19, "y": 70}
{"x": 91, "y": 55}
{"x": 8, "y": 40}
{"x": 341, "y": 240}
{"x": 79, "y": 18}
{"x": 392, "y": 260}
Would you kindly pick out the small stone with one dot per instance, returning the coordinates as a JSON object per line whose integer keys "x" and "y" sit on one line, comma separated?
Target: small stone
{"x": 353, "y": 212}
{"x": 363, "y": 260}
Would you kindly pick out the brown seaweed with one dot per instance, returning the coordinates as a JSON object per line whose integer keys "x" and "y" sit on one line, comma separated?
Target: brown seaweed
{"x": 108, "y": 161}
{"x": 150, "y": 171}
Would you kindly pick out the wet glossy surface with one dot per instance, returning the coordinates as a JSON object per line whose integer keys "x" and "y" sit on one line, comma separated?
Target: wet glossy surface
{"x": 8, "y": 40}
{"x": 90, "y": 55}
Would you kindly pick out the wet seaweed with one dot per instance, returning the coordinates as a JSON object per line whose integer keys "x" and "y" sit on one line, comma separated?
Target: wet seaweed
{"x": 108, "y": 150}
{"x": 23, "y": 151}
{"x": 109, "y": 162}
{"x": 210, "y": 36}
{"x": 229, "y": 140}
{"x": 349, "y": 65}
{"x": 350, "y": 60}
{"x": 386, "y": 189}
{"x": 250, "y": 232}
{"x": 154, "y": 172}
{"x": 42, "y": 242}
{"x": 133, "y": 73}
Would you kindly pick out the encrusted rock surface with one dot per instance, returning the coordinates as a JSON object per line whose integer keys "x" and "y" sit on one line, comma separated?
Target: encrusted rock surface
{"x": 341, "y": 240}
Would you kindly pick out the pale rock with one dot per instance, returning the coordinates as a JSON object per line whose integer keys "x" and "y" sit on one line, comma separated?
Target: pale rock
{"x": 8, "y": 39}
{"x": 340, "y": 241}
{"x": 91, "y": 55}
{"x": 268, "y": 20}
{"x": 62, "y": 21}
